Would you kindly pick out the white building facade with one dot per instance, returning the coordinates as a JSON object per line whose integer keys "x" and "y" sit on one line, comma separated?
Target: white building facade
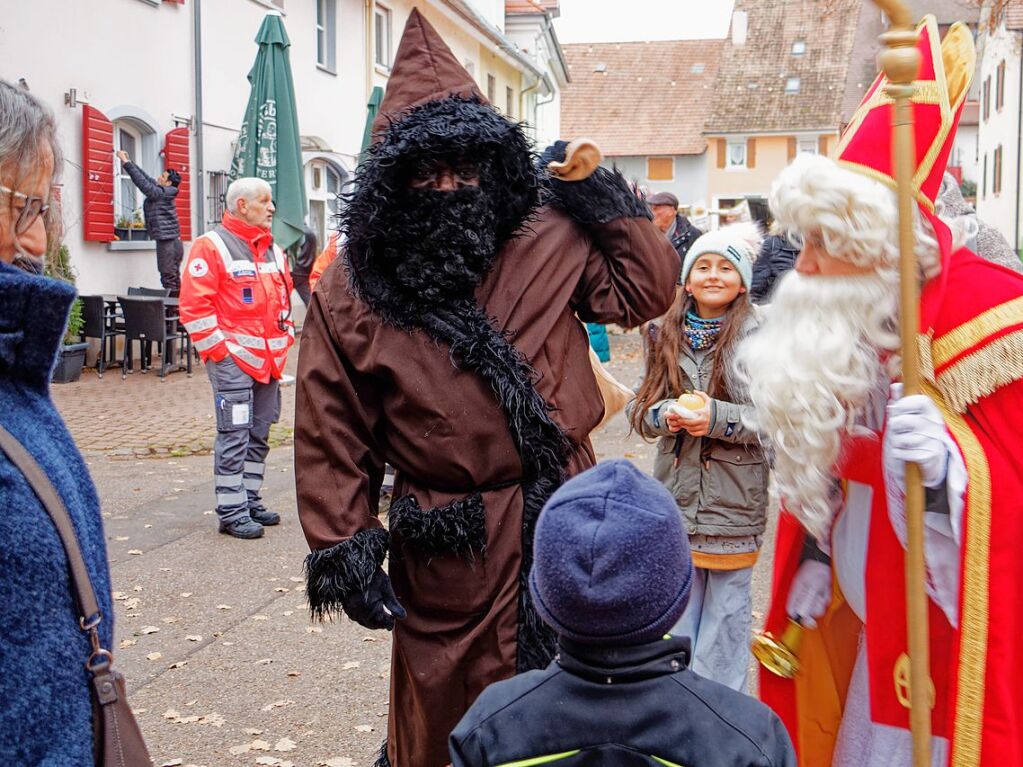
{"x": 166, "y": 82}
{"x": 998, "y": 183}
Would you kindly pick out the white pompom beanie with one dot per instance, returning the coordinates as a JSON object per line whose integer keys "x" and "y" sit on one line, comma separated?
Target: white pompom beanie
{"x": 739, "y": 243}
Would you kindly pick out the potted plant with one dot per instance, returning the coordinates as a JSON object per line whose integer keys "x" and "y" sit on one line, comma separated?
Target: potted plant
{"x": 122, "y": 227}
{"x": 138, "y": 227}
{"x": 72, "y": 353}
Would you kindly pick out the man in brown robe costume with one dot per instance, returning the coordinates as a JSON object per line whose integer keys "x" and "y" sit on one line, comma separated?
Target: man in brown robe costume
{"x": 445, "y": 341}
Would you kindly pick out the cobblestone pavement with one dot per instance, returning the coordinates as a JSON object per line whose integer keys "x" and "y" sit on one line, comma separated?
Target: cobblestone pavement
{"x": 224, "y": 667}
{"x": 144, "y": 417}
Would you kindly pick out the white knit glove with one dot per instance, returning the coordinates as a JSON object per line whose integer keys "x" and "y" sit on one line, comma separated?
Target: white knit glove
{"x": 915, "y": 433}
{"x": 810, "y": 593}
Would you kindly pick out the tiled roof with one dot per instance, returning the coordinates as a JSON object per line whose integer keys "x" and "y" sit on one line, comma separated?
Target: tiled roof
{"x": 1014, "y": 14}
{"x": 641, "y": 98}
{"x": 514, "y": 7}
{"x": 751, "y": 93}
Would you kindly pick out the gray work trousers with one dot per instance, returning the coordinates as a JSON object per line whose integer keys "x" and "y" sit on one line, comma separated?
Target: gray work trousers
{"x": 245, "y": 408}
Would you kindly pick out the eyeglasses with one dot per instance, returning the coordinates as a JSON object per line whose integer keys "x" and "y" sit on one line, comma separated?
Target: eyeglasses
{"x": 33, "y": 208}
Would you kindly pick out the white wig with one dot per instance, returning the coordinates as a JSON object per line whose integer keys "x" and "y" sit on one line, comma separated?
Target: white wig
{"x": 855, "y": 216}
{"x": 248, "y": 188}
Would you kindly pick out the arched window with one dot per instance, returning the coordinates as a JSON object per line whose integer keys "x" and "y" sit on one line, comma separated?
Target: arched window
{"x": 324, "y": 182}
{"x": 136, "y": 135}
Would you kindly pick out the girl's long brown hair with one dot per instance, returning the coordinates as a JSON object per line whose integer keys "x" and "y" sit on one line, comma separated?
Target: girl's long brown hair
{"x": 663, "y": 377}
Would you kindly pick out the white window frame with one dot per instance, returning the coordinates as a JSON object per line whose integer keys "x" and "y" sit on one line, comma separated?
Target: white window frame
{"x": 736, "y": 143}
{"x": 799, "y": 47}
{"x": 121, "y": 176}
{"x": 807, "y": 145}
{"x": 383, "y": 41}
{"x": 325, "y": 34}
{"x": 789, "y": 90}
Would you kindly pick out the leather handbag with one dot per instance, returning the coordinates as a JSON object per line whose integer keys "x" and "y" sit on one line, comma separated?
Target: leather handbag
{"x": 615, "y": 394}
{"x": 117, "y": 739}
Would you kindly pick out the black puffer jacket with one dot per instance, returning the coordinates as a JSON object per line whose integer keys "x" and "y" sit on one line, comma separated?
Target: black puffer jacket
{"x": 777, "y": 256}
{"x": 627, "y": 706}
{"x": 161, "y": 214}
{"x": 683, "y": 235}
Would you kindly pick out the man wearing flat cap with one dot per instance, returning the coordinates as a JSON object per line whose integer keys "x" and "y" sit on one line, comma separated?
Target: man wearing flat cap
{"x": 677, "y": 228}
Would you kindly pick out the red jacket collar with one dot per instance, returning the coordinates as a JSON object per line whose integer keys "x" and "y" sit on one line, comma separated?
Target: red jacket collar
{"x": 258, "y": 239}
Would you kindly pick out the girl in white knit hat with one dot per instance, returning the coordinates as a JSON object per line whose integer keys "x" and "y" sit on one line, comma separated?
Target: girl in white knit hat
{"x": 709, "y": 460}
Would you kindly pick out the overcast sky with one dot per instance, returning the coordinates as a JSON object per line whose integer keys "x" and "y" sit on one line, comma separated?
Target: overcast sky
{"x": 606, "y": 21}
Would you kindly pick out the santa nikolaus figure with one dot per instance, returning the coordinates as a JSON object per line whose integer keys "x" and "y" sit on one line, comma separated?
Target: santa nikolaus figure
{"x": 822, "y": 374}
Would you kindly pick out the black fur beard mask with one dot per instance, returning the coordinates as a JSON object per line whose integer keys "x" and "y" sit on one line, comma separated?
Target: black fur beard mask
{"x": 436, "y": 247}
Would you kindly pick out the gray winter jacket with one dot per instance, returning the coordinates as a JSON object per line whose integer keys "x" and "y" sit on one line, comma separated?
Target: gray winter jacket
{"x": 727, "y": 494}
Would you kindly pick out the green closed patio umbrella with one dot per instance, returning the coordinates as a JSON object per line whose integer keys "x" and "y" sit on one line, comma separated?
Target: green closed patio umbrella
{"x": 269, "y": 146}
{"x": 372, "y": 109}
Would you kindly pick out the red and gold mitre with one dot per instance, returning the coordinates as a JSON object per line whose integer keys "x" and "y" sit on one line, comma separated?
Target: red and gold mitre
{"x": 946, "y": 71}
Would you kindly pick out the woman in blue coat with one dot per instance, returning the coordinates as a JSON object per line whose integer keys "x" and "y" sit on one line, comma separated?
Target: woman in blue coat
{"x": 46, "y": 715}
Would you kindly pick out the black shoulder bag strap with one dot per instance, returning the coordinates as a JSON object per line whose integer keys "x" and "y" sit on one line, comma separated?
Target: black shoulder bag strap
{"x": 118, "y": 741}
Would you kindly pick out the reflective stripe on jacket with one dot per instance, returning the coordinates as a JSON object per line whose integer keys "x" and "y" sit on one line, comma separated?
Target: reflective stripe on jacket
{"x": 235, "y": 301}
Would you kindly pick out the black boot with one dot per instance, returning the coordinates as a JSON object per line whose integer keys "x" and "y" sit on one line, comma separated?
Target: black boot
{"x": 264, "y": 516}
{"x": 243, "y": 527}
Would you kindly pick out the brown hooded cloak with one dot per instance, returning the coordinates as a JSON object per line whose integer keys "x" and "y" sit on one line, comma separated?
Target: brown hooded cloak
{"x": 481, "y": 416}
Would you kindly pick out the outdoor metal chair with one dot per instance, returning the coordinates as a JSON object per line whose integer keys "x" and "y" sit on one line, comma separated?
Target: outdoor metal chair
{"x": 145, "y": 321}
{"x": 102, "y": 322}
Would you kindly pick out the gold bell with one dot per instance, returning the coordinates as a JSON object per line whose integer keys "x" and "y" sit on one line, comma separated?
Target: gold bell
{"x": 780, "y": 656}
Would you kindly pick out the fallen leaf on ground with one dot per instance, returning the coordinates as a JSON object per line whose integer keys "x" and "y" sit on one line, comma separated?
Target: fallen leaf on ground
{"x": 118, "y": 596}
{"x": 154, "y": 656}
{"x": 364, "y": 728}
{"x": 134, "y": 552}
{"x": 294, "y": 673}
{"x": 260, "y": 745}
{"x": 214, "y": 719}
{"x": 120, "y": 537}
{"x": 194, "y": 637}
{"x": 147, "y": 630}
{"x": 126, "y": 643}
{"x": 179, "y": 664}
{"x": 282, "y": 590}
{"x": 264, "y": 661}
{"x": 260, "y": 617}
{"x": 244, "y": 748}
{"x": 350, "y": 664}
{"x": 170, "y": 619}
{"x": 170, "y": 713}
{"x": 314, "y": 629}
{"x": 288, "y": 612}
{"x": 252, "y": 731}
{"x": 185, "y": 594}
{"x": 285, "y": 744}
{"x": 268, "y": 760}
{"x": 223, "y": 607}
{"x": 336, "y": 761}
{"x": 293, "y": 579}
{"x": 132, "y": 604}
{"x": 369, "y": 639}
{"x": 277, "y": 704}
{"x": 173, "y": 763}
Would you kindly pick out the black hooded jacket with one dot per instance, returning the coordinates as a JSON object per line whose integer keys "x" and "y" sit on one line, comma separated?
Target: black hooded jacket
{"x": 159, "y": 207}
{"x": 626, "y": 706}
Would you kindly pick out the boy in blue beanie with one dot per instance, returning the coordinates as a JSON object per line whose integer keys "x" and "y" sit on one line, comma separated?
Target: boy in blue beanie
{"x": 611, "y": 574}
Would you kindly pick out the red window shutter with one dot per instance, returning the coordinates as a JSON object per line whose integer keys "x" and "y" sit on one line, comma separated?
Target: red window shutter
{"x": 175, "y": 155}
{"x": 97, "y": 176}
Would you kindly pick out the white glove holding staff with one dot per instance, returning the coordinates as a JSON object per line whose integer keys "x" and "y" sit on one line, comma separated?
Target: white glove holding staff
{"x": 915, "y": 433}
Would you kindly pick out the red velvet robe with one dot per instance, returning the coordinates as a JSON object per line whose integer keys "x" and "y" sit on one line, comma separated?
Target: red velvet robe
{"x": 972, "y": 354}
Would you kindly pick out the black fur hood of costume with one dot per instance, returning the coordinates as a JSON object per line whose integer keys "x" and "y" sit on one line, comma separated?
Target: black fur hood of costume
{"x": 452, "y": 127}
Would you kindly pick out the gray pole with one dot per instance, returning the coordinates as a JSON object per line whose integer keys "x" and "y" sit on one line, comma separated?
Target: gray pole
{"x": 198, "y": 177}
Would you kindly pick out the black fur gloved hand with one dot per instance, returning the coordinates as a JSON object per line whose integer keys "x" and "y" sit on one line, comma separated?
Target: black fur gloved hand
{"x": 376, "y": 607}
{"x": 602, "y": 197}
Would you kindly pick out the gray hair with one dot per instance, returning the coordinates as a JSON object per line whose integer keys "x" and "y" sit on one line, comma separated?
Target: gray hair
{"x": 26, "y": 127}
{"x": 248, "y": 187}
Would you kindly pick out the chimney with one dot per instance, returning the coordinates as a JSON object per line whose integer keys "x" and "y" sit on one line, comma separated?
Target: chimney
{"x": 740, "y": 26}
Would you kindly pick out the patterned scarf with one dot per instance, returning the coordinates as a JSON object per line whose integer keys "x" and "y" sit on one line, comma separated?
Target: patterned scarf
{"x": 701, "y": 333}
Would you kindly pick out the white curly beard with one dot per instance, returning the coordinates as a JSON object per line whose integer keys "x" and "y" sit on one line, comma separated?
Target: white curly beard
{"x": 810, "y": 368}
